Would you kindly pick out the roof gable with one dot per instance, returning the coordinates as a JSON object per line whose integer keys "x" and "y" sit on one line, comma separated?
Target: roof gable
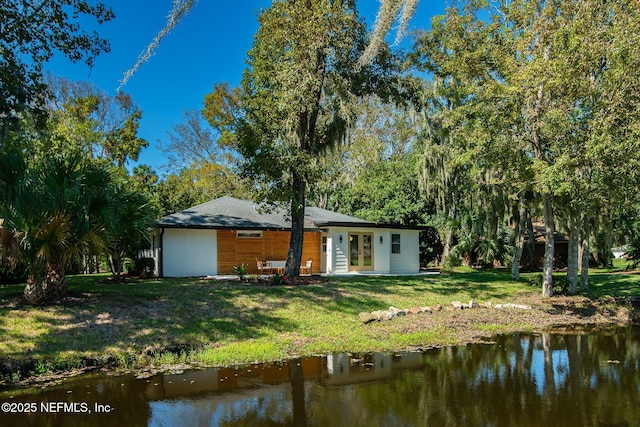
{"x": 539, "y": 232}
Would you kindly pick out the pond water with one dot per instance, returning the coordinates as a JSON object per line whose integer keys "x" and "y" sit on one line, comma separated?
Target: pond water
{"x": 573, "y": 379}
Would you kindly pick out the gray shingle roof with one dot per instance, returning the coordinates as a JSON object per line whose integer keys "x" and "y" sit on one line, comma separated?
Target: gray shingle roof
{"x": 231, "y": 213}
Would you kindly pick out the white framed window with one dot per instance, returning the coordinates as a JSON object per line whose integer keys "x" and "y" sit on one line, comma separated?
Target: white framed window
{"x": 395, "y": 243}
{"x": 324, "y": 244}
{"x": 249, "y": 234}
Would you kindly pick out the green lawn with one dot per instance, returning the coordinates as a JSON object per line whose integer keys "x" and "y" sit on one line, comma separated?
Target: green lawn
{"x": 168, "y": 321}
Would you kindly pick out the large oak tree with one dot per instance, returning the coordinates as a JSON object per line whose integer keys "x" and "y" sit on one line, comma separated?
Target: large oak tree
{"x": 299, "y": 94}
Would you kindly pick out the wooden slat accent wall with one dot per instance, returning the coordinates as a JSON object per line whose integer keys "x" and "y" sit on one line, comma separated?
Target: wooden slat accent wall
{"x": 274, "y": 245}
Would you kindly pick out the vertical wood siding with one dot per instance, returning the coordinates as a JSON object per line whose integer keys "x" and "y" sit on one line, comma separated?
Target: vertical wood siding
{"x": 273, "y": 245}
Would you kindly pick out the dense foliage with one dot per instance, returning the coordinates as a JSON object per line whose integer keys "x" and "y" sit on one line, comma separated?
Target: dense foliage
{"x": 64, "y": 195}
{"x": 30, "y": 34}
{"x": 525, "y": 116}
{"x": 530, "y": 111}
{"x": 505, "y": 115}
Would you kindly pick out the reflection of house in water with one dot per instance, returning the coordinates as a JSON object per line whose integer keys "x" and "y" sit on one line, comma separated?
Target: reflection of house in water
{"x": 338, "y": 364}
{"x": 335, "y": 369}
{"x": 342, "y": 369}
{"x": 266, "y": 389}
{"x": 225, "y": 379}
{"x": 345, "y": 369}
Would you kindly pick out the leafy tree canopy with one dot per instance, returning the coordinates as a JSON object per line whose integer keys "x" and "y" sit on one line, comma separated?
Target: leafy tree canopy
{"x": 387, "y": 192}
{"x": 87, "y": 120}
{"x": 30, "y": 33}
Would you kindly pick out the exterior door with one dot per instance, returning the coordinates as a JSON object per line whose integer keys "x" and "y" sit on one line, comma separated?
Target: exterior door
{"x": 323, "y": 253}
{"x": 360, "y": 251}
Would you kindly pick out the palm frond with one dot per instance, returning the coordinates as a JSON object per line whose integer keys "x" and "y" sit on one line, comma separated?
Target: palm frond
{"x": 9, "y": 244}
{"x": 52, "y": 240}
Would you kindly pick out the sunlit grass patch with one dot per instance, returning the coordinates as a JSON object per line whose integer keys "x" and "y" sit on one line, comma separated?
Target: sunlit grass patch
{"x": 431, "y": 337}
{"x": 238, "y": 353}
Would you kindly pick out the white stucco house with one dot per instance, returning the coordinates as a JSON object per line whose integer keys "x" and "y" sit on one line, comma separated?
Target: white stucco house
{"x": 211, "y": 238}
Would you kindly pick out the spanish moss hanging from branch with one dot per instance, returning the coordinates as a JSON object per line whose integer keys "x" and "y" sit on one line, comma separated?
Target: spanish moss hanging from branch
{"x": 181, "y": 8}
{"x": 390, "y": 11}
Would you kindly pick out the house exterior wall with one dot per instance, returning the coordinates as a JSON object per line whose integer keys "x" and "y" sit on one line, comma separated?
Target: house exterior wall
{"x": 195, "y": 252}
{"x": 408, "y": 261}
{"x": 273, "y": 245}
{"x": 560, "y": 254}
{"x": 187, "y": 253}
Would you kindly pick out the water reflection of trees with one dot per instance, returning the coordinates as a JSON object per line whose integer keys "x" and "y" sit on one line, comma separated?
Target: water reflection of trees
{"x": 523, "y": 380}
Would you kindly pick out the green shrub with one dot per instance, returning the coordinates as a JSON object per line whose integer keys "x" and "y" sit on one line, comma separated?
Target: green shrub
{"x": 449, "y": 262}
{"x": 560, "y": 283}
{"x": 278, "y": 280}
{"x": 536, "y": 280}
{"x": 141, "y": 267}
{"x": 455, "y": 260}
{"x": 240, "y": 271}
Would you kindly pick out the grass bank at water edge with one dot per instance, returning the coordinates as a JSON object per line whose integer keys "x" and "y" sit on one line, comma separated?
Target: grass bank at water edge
{"x": 157, "y": 323}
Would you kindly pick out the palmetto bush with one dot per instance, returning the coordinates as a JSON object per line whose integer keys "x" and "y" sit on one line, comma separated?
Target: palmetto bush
{"x": 55, "y": 210}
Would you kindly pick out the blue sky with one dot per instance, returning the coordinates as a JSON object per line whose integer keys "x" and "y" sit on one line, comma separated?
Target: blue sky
{"x": 207, "y": 47}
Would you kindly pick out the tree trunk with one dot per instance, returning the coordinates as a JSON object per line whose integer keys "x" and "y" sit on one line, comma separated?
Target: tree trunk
{"x": 519, "y": 243}
{"x": 56, "y": 281}
{"x": 586, "y": 252}
{"x": 111, "y": 265}
{"x": 115, "y": 263}
{"x": 549, "y": 246}
{"x": 448, "y": 240}
{"x": 53, "y": 286}
{"x": 447, "y": 245}
{"x": 608, "y": 242}
{"x": 603, "y": 239}
{"x": 294, "y": 256}
{"x": 531, "y": 242}
{"x": 34, "y": 293}
{"x": 572, "y": 260}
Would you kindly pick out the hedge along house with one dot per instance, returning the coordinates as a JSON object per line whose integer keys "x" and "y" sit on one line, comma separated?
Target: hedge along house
{"x": 211, "y": 238}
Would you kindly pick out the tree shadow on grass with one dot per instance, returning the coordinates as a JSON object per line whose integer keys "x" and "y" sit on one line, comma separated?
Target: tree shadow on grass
{"x": 328, "y": 297}
{"x": 472, "y": 285}
{"x": 95, "y": 326}
{"x": 616, "y": 285}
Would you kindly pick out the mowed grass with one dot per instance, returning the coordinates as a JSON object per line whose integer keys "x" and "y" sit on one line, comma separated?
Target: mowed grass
{"x": 207, "y": 322}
